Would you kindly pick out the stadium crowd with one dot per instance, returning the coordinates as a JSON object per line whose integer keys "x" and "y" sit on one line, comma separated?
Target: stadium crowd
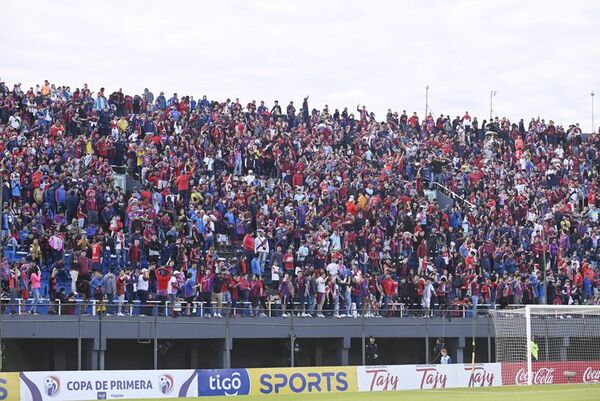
{"x": 313, "y": 212}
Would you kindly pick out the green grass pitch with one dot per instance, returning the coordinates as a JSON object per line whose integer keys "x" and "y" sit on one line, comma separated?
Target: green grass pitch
{"x": 578, "y": 392}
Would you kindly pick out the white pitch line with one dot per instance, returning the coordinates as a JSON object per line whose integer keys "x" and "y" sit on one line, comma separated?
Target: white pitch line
{"x": 515, "y": 392}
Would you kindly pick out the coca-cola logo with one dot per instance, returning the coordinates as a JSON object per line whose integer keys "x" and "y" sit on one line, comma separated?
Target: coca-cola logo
{"x": 540, "y": 376}
{"x": 382, "y": 380}
{"x": 431, "y": 378}
{"x": 480, "y": 377}
{"x": 591, "y": 376}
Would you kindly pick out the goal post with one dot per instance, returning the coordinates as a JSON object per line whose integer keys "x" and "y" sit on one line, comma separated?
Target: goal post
{"x": 544, "y": 344}
{"x": 528, "y": 340}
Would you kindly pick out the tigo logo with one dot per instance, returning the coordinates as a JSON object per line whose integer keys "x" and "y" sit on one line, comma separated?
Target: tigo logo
{"x": 223, "y": 382}
{"x": 51, "y": 385}
{"x": 166, "y": 384}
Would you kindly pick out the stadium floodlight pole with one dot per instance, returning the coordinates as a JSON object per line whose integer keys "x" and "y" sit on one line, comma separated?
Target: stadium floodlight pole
{"x": 492, "y": 94}
{"x": 426, "y": 100}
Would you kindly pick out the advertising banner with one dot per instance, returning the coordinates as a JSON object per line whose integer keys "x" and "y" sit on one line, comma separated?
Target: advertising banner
{"x": 551, "y": 373}
{"x": 212, "y": 382}
{"x": 9, "y": 387}
{"x": 415, "y": 377}
{"x": 302, "y": 380}
{"x": 107, "y": 385}
{"x": 231, "y": 382}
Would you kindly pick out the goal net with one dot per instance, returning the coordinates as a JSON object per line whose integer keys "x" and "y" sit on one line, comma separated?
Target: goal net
{"x": 548, "y": 344}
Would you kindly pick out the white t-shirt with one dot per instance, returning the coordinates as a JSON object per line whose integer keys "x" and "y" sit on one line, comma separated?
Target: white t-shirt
{"x": 142, "y": 284}
{"x": 172, "y": 287}
{"x": 15, "y": 122}
{"x": 208, "y": 162}
{"x": 249, "y": 179}
{"x": 332, "y": 269}
{"x": 261, "y": 244}
{"x": 275, "y": 272}
{"x": 321, "y": 285}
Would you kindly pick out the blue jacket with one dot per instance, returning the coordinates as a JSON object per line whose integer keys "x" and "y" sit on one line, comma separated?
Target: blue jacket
{"x": 100, "y": 103}
{"x": 161, "y": 102}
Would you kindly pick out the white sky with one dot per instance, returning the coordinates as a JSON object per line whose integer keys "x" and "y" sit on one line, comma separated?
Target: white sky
{"x": 542, "y": 57}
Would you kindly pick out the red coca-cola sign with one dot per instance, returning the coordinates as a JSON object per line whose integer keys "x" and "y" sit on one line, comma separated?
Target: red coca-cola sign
{"x": 551, "y": 373}
{"x": 539, "y": 376}
{"x": 591, "y": 375}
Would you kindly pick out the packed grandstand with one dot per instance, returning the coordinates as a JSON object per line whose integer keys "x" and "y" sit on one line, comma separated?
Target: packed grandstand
{"x": 284, "y": 209}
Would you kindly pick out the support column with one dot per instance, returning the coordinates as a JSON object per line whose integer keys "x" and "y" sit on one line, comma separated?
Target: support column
{"x": 193, "y": 354}
{"x": 318, "y": 354}
{"x": 345, "y": 351}
{"x": 460, "y": 350}
{"x": 427, "y": 354}
{"x": 60, "y": 360}
{"x": 98, "y": 348}
{"x": 489, "y": 341}
{"x": 226, "y": 354}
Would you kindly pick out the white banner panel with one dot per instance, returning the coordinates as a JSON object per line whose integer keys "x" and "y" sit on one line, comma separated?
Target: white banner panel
{"x": 107, "y": 385}
{"x": 414, "y": 377}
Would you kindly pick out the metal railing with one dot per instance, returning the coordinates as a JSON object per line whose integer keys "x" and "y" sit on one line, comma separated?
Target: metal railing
{"x": 206, "y": 309}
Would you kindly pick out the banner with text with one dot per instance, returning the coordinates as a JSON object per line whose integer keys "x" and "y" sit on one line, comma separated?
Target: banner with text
{"x": 213, "y": 382}
{"x": 302, "y": 380}
{"x": 414, "y": 377}
{"x": 107, "y": 385}
{"x": 231, "y": 382}
{"x": 551, "y": 372}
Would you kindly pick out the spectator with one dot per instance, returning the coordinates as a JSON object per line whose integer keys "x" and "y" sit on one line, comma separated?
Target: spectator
{"x": 120, "y": 284}
{"x": 110, "y": 289}
{"x": 445, "y": 358}
{"x": 437, "y": 350}
{"x": 218, "y": 283}
{"x": 35, "y": 278}
{"x": 14, "y": 284}
{"x": 143, "y": 285}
